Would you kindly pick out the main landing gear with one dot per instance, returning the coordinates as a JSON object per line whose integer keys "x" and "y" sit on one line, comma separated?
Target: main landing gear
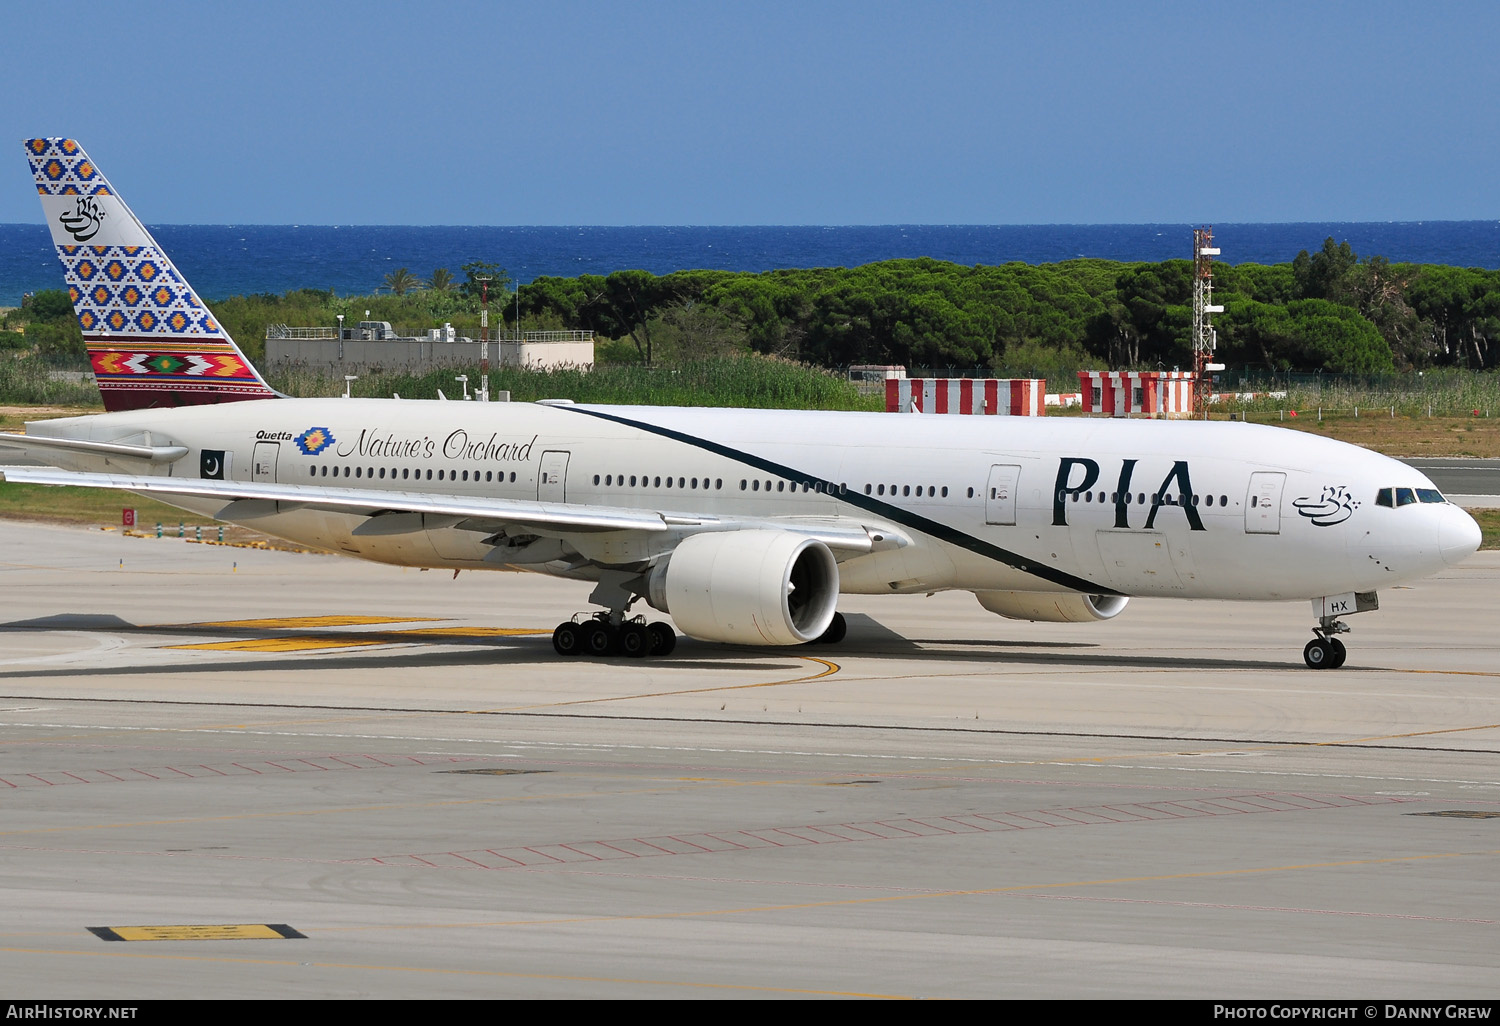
{"x": 1325, "y": 652}
{"x": 599, "y": 636}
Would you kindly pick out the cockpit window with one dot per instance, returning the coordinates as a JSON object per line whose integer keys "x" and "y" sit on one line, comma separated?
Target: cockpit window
{"x": 1394, "y": 497}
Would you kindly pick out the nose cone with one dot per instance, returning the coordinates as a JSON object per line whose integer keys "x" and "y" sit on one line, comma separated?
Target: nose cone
{"x": 1458, "y": 536}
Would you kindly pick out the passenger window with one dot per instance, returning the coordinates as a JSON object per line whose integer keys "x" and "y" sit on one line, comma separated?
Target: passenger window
{"x": 1386, "y": 497}
{"x": 1405, "y": 497}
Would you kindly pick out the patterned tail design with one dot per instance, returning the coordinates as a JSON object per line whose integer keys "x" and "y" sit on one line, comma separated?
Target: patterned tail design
{"x": 151, "y": 340}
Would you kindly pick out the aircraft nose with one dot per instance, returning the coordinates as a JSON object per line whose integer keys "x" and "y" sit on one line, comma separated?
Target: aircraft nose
{"x": 1458, "y": 536}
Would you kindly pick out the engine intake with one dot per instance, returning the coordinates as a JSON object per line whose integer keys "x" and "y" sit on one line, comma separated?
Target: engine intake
{"x": 1049, "y": 607}
{"x": 748, "y": 587}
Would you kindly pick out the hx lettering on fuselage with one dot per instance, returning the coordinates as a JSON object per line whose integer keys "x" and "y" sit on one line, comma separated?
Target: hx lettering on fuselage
{"x": 744, "y": 526}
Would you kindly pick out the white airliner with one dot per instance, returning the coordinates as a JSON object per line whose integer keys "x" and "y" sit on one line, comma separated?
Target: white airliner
{"x": 744, "y": 526}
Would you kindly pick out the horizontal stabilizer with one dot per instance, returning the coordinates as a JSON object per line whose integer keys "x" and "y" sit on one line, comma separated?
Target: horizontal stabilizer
{"x": 149, "y": 453}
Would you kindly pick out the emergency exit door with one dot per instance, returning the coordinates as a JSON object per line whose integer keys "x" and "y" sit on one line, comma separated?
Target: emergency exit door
{"x": 263, "y": 466}
{"x": 1000, "y": 499}
{"x": 1263, "y": 503}
{"x": 552, "y": 478}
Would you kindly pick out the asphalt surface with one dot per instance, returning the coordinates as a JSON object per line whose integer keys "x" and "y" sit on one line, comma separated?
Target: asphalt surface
{"x": 280, "y": 775}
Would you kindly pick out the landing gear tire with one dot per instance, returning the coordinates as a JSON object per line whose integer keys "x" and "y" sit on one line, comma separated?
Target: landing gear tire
{"x": 599, "y": 638}
{"x": 837, "y": 628}
{"x": 1320, "y": 654}
{"x": 1340, "y": 653}
{"x": 567, "y": 640}
{"x": 663, "y": 638}
{"x": 636, "y": 640}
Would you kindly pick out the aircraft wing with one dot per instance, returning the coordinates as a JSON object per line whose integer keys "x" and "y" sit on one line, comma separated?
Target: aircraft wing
{"x": 392, "y": 513}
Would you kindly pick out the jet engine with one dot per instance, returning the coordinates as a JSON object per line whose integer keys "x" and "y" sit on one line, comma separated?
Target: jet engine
{"x": 748, "y": 587}
{"x": 1049, "y": 607}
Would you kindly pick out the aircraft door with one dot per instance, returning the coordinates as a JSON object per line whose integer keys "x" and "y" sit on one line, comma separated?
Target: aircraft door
{"x": 1263, "y": 503}
{"x": 552, "y": 477}
{"x": 1000, "y": 499}
{"x": 263, "y": 467}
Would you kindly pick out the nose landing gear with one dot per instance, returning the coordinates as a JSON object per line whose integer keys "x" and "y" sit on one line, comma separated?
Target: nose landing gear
{"x": 1325, "y": 652}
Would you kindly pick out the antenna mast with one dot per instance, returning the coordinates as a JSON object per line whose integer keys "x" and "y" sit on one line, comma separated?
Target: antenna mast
{"x": 1205, "y": 339}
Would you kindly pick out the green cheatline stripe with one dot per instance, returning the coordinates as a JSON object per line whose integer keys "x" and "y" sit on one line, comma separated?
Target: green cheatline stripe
{"x": 904, "y": 517}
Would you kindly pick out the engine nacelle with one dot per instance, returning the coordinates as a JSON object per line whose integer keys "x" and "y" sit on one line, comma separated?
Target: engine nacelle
{"x": 1048, "y": 607}
{"x": 748, "y": 587}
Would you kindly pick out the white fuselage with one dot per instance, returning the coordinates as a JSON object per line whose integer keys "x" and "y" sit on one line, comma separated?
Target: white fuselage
{"x": 981, "y": 503}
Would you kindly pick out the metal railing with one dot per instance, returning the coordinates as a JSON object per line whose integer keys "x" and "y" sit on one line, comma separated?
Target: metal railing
{"x": 546, "y": 336}
{"x": 282, "y": 331}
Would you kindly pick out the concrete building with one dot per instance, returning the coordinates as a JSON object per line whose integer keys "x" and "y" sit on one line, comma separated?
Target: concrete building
{"x": 374, "y": 347}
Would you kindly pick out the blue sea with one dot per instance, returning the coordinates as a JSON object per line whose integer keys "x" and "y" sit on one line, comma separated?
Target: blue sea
{"x": 226, "y": 260}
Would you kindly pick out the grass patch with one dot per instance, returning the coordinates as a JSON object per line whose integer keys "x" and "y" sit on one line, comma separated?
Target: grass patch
{"x": 1489, "y": 523}
{"x": 97, "y": 506}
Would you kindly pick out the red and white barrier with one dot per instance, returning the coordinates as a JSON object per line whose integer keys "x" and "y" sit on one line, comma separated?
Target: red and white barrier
{"x": 1013, "y": 397}
{"x": 1151, "y": 393}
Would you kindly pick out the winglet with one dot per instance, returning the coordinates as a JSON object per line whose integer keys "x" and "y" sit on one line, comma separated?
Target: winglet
{"x": 151, "y": 340}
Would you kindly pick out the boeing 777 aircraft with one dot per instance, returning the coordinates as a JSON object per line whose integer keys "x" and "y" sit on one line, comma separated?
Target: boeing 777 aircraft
{"x": 744, "y": 526}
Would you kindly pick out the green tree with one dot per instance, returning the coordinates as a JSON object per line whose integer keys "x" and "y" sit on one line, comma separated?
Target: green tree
{"x": 401, "y": 281}
{"x": 1307, "y": 334}
{"x": 52, "y": 305}
{"x": 1323, "y": 275}
{"x": 477, "y": 275}
{"x": 441, "y": 280}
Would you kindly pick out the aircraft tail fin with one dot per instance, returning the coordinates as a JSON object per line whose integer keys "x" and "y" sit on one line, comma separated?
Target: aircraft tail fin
{"x": 152, "y": 342}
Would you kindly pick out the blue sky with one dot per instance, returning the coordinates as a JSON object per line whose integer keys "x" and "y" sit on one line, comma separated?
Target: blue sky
{"x": 816, "y": 112}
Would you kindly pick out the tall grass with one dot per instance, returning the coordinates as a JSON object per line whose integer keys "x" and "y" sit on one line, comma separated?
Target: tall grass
{"x": 736, "y": 381}
{"x": 29, "y": 382}
{"x": 1442, "y": 392}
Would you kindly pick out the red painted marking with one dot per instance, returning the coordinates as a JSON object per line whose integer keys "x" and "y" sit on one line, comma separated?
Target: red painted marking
{"x": 588, "y": 855}
{"x": 622, "y": 851}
